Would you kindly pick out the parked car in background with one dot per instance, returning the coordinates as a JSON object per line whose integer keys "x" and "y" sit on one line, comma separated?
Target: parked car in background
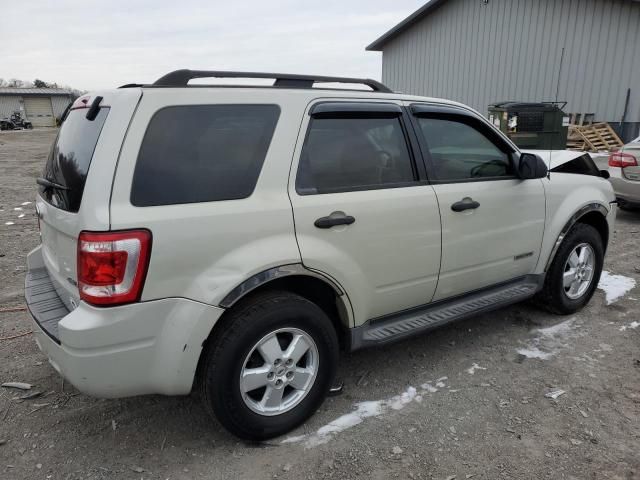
{"x": 233, "y": 240}
{"x": 624, "y": 167}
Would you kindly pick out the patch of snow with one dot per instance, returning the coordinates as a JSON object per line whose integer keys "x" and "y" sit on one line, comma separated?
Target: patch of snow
{"x": 554, "y": 394}
{"x": 295, "y": 439}
{"x": 534, "y": 352}
{"x": 615, "y": 286}
{"x": 473, "y": 368}
{"x": 17, "y": 209}
{"x": 427, "y": 387}
{"x": 548, "y": 341}
{"x": 401, "y": 400}
{"x": 25, "y": 203}
{"x": 9, "y": 223}
{"x": 364, "y": 410}
{"x": 21, "y": 215}
{"x": 632, "y": 325}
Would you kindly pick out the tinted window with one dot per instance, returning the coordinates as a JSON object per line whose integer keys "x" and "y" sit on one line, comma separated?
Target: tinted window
{"x": 342, "y": 154}
{"x": 460, "y": 152}
{"x": 70, "y": 157}
{"x": 202, "y": 153}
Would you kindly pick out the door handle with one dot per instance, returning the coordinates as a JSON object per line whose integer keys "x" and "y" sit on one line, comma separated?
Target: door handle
{"x": 466, "y": 203}
{"x": 328, "y": 222}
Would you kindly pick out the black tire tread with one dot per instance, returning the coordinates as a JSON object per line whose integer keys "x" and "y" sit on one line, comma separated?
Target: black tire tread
{"x": 547, "y": 298}
{"x": 239, "y": 319}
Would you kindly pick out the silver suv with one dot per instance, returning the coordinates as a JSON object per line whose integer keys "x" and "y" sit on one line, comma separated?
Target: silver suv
{"x": 233, "y": 240}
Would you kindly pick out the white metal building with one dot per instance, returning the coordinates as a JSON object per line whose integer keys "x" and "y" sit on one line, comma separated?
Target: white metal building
{"x": 41, "y": 106}
{"x": 481, "y": 52}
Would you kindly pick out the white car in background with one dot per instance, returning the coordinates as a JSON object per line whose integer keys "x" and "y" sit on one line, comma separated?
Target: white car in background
{"x": 624, "y": 168}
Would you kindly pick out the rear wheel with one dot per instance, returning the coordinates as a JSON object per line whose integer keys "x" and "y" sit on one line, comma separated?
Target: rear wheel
{"x": 270, "y": 366}
{"x": 575, "y": 271}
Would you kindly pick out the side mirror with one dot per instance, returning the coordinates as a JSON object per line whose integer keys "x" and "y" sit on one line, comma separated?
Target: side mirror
{"x": 531, "y": 166}
{"x": 605, "y": 174}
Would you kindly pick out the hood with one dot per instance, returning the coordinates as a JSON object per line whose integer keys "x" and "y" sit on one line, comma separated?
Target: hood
{"x": 555, "y": 158}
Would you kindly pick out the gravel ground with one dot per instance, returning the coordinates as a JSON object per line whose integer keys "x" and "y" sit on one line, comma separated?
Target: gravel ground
{"x": 489, "y": 419}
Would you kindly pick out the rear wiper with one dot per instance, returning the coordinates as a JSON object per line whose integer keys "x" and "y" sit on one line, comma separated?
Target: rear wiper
{"x": 49, "y": 184}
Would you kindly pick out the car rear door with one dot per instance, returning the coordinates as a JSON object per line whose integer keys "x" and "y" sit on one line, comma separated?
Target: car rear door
{"x": 364, "y": 214}
{"x": 492, "y": 222}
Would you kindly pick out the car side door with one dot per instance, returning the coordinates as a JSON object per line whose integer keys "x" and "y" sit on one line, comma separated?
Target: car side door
{"x": 364, "y": 213}
{"x": 492, "y": 221}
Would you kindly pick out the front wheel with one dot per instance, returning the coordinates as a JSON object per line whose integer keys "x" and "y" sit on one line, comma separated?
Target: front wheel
{"x": 270, "y": 366}
{"x": 575, "y": 271}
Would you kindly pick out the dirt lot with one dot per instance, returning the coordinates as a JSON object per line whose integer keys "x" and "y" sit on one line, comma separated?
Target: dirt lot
{"x": 489, "y": 418}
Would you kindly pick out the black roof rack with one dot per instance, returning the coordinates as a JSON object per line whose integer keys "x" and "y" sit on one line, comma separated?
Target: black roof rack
{"x": 180, "y": 78}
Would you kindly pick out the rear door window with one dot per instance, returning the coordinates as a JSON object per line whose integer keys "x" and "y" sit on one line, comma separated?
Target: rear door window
{"x": 70, "y": 158}
{"x": 202, "y": 153}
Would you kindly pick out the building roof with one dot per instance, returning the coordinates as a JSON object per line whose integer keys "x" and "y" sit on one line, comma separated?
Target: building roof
{"x": 415, "y": 17}
{"x": 431, "y": 5}
{"x": 34, "y": 91}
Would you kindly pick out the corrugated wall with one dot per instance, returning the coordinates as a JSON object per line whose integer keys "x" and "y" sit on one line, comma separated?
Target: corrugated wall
{"x": 8, "y": 105}
{"x": 479, "y": 53}
{"x": 59, "y": 104}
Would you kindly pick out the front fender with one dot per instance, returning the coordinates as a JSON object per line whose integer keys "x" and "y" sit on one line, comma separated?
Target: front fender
{"x": 570, "y": 197}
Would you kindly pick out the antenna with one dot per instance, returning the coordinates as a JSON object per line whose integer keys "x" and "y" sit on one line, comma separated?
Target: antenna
{"x": 556, "y": 103}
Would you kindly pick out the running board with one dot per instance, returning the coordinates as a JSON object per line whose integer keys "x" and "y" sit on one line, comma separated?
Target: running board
{"x": 412, "y": 322}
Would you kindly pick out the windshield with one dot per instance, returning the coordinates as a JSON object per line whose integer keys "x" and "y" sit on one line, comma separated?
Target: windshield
{"x": 69, "y": 159}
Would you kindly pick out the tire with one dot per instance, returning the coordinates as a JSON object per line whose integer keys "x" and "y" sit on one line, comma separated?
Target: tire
{"x": 233, "y": 350}
{"x": 554, "y": 296}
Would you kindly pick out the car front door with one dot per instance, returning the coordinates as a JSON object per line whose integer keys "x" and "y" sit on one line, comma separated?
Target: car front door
{"x": 492, "y": 222}
{"x": 364, "y": 214}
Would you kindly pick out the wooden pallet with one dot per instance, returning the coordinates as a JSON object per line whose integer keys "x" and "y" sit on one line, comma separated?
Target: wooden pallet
{"x": 597, "y": 137}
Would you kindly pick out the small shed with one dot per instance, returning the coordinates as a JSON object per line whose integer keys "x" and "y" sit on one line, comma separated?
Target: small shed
{"x": 41, "y": 106}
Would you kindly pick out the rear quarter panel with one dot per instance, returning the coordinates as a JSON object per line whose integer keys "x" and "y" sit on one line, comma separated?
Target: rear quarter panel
{"x": 201, "y": 251}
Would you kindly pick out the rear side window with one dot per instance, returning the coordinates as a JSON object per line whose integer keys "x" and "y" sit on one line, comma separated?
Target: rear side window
{"x": 346, "y": 154}
{"x": 70, "y": 158}
{"x": 202, "y": 153}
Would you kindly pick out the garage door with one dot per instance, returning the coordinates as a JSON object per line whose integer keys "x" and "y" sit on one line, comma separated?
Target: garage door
{"x": 39, "y": 111}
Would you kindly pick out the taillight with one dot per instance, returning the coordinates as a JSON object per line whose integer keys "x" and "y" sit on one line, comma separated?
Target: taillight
{"x": 619, "y": 159}
{"x": 112, "y": 266}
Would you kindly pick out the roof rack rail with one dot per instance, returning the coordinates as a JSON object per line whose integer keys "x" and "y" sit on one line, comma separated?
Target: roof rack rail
{"x": 180, "y": 78}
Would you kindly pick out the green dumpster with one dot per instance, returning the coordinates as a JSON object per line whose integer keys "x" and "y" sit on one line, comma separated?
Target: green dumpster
{"x": 542, "y": 126}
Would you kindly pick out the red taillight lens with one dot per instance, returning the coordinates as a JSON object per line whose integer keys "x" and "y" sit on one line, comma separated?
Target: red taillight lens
{"x": 112, "y": 266}
{"x": 619, "y": 159}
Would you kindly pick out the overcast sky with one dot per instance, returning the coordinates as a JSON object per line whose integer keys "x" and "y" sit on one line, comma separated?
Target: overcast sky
{"x": 90, "y": 45}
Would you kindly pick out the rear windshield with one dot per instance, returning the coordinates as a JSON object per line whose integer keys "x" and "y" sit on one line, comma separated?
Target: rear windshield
{"x": 70, "y": 157}
{"x": 202, "y": 153}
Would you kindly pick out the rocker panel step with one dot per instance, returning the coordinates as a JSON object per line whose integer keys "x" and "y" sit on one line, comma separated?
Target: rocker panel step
{"x": 412, "y": 322}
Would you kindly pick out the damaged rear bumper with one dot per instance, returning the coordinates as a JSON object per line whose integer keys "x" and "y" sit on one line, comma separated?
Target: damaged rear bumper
{"x": 141, "y": 348}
